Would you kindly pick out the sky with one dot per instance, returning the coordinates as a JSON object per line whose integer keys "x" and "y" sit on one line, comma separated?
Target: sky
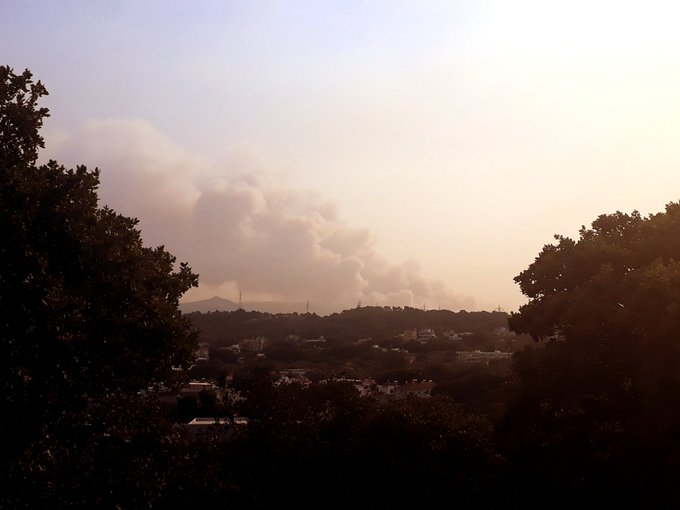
{"x": 380, "y": 152}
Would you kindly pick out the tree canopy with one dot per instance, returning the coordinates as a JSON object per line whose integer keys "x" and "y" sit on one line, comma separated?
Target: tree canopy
{"x": 86, "y": 310}
{"x": 600, "y": 396}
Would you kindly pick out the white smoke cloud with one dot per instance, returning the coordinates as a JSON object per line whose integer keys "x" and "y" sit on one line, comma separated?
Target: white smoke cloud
{"x": 238, "y": 227}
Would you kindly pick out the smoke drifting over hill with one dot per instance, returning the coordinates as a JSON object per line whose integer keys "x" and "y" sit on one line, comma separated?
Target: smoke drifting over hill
{"x": 239, "y": 227}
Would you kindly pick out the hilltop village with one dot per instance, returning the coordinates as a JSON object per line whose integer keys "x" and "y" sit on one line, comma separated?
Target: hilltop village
{"x": 462, "y": 355}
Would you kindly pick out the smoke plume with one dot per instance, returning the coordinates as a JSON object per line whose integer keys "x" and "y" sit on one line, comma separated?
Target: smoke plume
{"x": 240, "y": 228}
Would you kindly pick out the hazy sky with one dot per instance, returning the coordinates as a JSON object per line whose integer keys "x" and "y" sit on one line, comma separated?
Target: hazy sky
{"x": 389, "y": 152}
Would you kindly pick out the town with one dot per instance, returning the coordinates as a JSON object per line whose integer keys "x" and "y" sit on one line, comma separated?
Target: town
{"x": 358, "y": 347}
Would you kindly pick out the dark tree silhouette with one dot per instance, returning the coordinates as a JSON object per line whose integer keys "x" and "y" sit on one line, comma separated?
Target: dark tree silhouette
{"x": 88, "y": 314}
{"x": 595, "y": 414}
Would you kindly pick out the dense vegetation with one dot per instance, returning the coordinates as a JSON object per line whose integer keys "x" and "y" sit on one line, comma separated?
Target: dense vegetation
{"x": 89, "y": 317}
{"x": 377, "y": 323}
{"x": 384, "y": 357}
{"x": 597, "y": 409}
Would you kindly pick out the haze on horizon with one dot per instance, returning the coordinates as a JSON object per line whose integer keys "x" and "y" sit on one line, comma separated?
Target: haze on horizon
{"x": 389, "y": 152}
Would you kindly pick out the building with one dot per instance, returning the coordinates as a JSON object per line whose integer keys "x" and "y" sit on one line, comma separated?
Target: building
{"x": 482, "y": 356}
{"x": 222, "y": 427}
{"x": 409, "y": 334}
{"x": 421, "y": 389}
{"x": 203, "y": 352}
{"x": 426, "y": 335}
{"x": 255, "y": 344}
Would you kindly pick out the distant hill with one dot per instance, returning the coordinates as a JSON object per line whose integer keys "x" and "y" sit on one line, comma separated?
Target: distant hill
{"x": 284, "y": 307}
{"x": 214, "y": 304}
{"x": 219, "y": 304}
{"x": 224, "y": 327}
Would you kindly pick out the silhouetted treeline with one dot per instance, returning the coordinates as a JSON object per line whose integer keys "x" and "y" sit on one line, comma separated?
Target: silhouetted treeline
{"x": 361, "y": 322}
{"x": 326, "y": 447}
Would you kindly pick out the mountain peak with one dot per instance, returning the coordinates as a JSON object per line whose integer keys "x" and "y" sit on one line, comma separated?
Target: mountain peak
{"x": 213, "y": 304}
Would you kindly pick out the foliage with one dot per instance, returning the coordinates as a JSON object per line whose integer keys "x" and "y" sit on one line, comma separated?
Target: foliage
{"x": 87, "y": 311}
{"x": 20, "y": 117}
{"x": 599, "y": 397}
{"x": 118, "y": 454}
{"x": 326, "y": 447}
{"x": 379, "y": 323}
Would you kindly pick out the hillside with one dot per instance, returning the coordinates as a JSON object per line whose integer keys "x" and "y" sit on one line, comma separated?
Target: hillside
{"x": 223, "y": 327}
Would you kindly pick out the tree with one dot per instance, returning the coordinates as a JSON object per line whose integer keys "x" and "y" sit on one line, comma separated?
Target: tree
{"x": 325, "y": 446}
{"x": 86, "y": 310}
{"x": 599, "y": 398}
